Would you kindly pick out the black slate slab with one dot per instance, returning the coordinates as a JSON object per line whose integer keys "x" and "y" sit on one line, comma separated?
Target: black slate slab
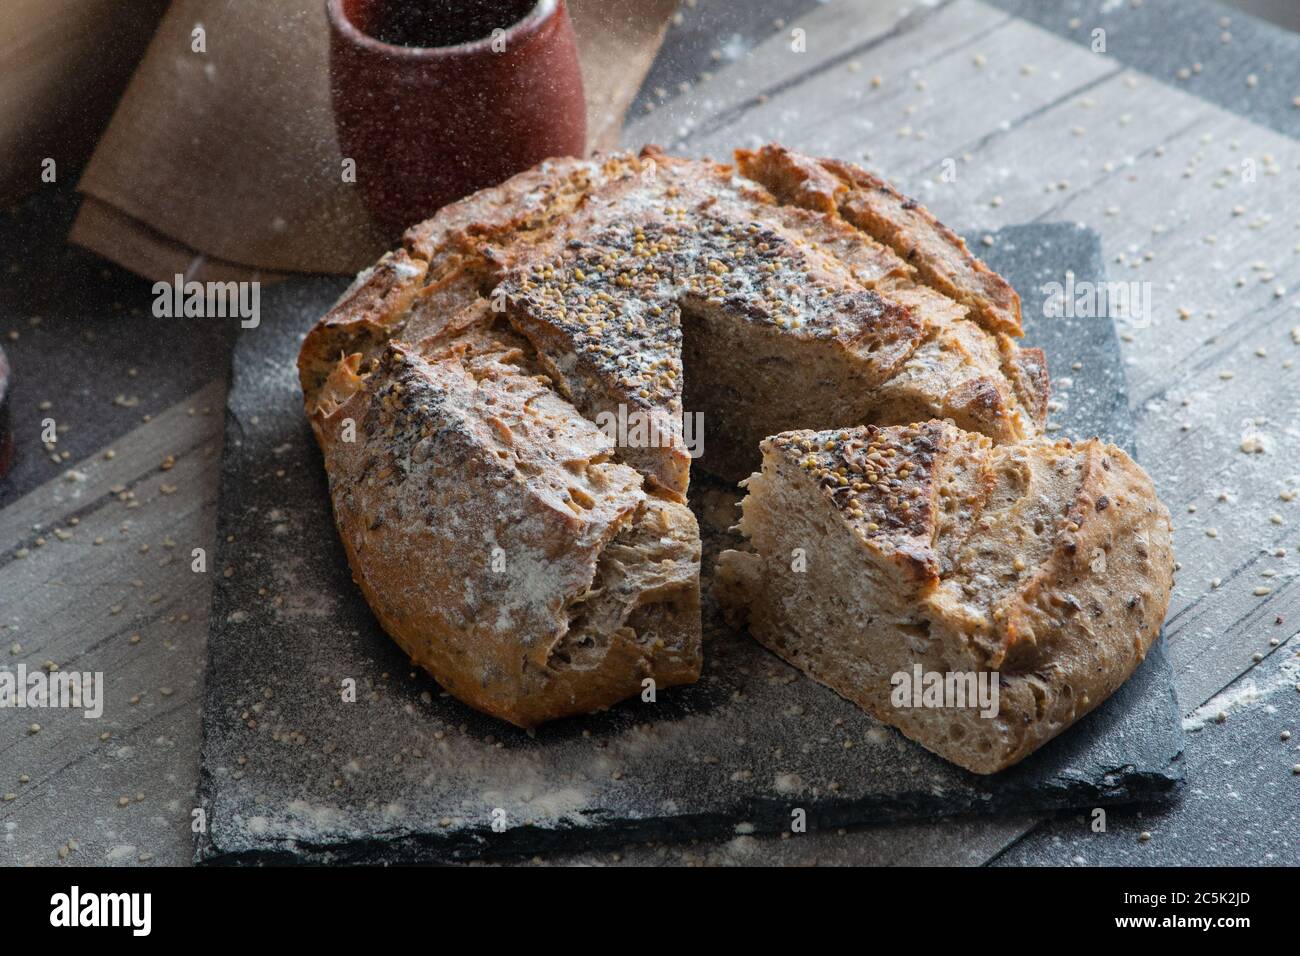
{"x": 1244, "y": 809}
{"x": 291, "y": 773}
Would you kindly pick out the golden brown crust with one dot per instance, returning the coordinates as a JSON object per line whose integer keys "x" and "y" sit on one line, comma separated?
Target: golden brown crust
{"x": 482, "y": 518}
{"x": 528, "y": 202}
{"x": 362, "y": 321}
{"x": 938, "y": 254}
{"x": 1027, "y": 370}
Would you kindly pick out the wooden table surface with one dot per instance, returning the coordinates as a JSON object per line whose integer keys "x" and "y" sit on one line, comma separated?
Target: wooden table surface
{"x": 1177, "y": 143}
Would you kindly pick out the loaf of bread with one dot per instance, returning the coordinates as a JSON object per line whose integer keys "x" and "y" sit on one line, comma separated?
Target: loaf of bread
{"x": 1030, "y": 578}
{"x": 506, "y": 404}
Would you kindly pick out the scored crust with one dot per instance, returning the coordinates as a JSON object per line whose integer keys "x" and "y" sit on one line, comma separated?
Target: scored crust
{"x": 939, "y": 255}
{"x": 457, "y": 387}
{"x": 1044, "y": 563}
{"x": 720, "y": 257}
{"x": 495, "y": 540}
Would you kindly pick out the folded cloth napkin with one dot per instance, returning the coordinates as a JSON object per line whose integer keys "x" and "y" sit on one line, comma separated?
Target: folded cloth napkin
{"x": 224, "y": 164}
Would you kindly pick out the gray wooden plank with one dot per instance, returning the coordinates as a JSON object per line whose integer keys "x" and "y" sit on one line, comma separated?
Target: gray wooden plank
{"x": 84, "y": 346}
{"x": 703, "y": 36}
{"x": 834, "y": 34}
{"x": 892, "y": 97}
{"x": 130, "y": 608}
{"x": 1203, "y": 47}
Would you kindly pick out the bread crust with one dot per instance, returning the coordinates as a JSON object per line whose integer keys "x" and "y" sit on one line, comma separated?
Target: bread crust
{"x": 477, "y": 509}
{"x": 496, "y": 242}
{"x": 938, "y": 254}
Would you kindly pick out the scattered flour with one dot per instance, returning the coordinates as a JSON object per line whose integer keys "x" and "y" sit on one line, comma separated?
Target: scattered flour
{"x": 1247, "y": 692}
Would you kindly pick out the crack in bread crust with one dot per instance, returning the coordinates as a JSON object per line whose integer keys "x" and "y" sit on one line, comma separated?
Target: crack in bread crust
{"x": 477, "y": 512}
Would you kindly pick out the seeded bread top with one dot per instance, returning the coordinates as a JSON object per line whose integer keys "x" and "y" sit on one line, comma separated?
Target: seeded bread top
{"x": 995, "y": 540}
{"x": 598, "y": 263}
{"x": 939, "y": 255}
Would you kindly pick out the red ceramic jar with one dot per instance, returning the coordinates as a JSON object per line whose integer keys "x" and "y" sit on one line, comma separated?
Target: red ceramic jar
{"x": 429, "y": 124}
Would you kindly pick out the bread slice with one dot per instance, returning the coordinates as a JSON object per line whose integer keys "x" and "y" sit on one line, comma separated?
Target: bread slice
{"x": 1043, "y": 566}
{"x": 494, "y": 538}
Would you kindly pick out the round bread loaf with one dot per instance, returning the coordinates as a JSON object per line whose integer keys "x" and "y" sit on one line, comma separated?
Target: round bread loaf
{"x": 501, "y": 402}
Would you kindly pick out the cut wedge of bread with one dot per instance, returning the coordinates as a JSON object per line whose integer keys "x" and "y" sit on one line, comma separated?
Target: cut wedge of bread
{"x": 877, "y": 554}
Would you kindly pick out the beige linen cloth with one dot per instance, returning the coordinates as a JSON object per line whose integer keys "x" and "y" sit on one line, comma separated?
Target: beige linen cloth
{"x": 224, "y": 165}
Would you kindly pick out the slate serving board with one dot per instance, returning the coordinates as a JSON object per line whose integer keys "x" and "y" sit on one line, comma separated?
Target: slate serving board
{"x": 289, "y": 772}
